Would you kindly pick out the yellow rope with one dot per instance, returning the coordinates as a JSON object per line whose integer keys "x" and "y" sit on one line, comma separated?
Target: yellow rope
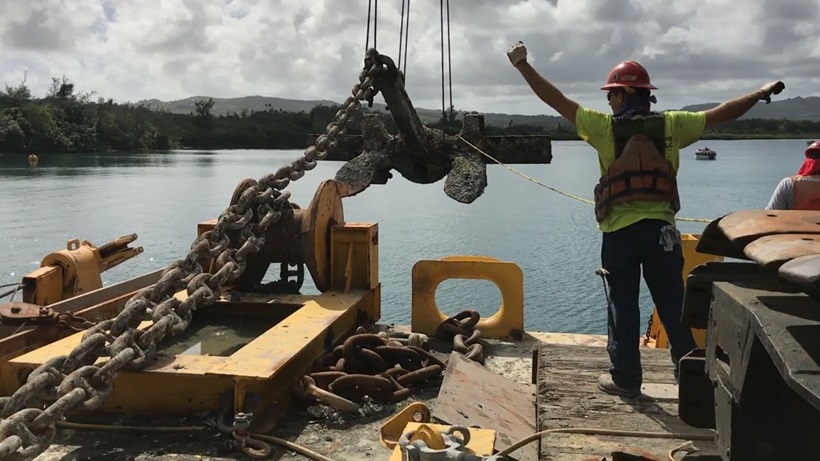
{"x": 590, "y": 202}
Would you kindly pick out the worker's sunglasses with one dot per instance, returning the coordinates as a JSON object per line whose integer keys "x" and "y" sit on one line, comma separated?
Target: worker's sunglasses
{"x": 623, "y": 91}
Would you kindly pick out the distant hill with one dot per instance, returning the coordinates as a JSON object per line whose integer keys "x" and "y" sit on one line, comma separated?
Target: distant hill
{"x": 794, "y": 108}
{"x": 261, "y": 103}
{"x": 225, "y": 105}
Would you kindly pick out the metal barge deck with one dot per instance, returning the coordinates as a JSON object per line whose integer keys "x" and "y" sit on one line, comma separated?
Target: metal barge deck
{"x": 566, "y": 368}
{"x": 760, "y": 347}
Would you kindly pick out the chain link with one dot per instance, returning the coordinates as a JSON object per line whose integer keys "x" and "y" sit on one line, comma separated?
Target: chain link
{"x": 648, "y": 336}
{"x": 74, "y": 381}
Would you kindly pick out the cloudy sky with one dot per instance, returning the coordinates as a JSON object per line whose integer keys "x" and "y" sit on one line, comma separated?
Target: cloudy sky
{"x": 695, "y": 50}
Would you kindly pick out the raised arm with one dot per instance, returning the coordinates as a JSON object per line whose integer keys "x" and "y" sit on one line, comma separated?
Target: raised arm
{"x": 542, "y": 88}
{"x": 735, "y": 108}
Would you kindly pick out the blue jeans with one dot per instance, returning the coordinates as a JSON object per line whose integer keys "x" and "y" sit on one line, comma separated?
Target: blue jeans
{"x": 623, "y": 253}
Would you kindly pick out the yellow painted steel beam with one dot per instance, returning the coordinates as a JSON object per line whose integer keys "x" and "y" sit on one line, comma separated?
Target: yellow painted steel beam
{"x": 354, "y": 256}
{"x": 266, "y": 366}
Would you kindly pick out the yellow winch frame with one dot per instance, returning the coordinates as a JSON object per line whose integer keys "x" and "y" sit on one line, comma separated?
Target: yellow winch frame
{"x": 261, "y": 373}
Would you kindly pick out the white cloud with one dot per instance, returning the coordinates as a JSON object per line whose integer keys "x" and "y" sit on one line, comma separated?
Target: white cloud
{"x": 696, "y": 51}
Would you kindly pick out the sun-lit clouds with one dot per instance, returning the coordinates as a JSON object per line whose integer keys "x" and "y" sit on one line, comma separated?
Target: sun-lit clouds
{"x": 696, "y": 51}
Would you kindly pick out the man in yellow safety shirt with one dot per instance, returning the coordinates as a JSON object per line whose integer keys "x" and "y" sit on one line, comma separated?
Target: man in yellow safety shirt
{"x": 636, "y": 200}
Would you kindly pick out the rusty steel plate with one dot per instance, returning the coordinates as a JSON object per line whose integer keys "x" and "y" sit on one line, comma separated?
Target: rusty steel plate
{"x": 743, "y": 227}
{"x": 771, "y": 251}
{"x": 474, "y": 396}
{"x": 712, "y": 241}
{"x": 803, "y": 271}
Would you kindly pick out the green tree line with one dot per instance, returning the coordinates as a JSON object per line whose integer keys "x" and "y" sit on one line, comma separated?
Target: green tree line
{"x": 65, "y": 120}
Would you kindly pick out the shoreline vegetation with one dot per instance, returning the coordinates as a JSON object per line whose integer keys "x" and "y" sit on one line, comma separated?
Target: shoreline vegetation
{"x": 65, "y": 121}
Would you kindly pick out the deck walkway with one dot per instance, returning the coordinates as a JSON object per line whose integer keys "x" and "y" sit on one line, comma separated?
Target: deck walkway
{"x": 568, "y": 397}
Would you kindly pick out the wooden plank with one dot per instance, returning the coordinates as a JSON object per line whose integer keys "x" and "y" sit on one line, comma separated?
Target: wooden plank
{"x": 656, "y": 364}
{"x": 662, "y": 376}
{"x": 568, "y": 398}
{"x": 473, "y": 396}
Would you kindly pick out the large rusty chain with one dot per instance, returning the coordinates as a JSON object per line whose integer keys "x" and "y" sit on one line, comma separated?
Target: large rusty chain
{"x": 387, "y": 368}
{"x": 462, "y": 330}
{"x": 74, "y": 381}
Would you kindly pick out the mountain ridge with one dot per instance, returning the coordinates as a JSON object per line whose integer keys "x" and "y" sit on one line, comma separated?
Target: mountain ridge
{"x": 797, "y": 108}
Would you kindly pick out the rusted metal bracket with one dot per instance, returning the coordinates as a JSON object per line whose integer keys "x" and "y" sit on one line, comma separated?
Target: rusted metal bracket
{"x": 422, "y": 154}
{"x": 22, "y": 313}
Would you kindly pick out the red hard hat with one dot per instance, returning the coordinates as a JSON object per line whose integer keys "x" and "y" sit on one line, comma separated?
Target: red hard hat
{"x": 628, "y": 74}
{"x": 814, "y": 148}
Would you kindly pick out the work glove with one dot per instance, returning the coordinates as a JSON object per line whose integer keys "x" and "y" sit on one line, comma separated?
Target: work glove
{"x": 517, "y": 54}
{"x": 767, "y": 90}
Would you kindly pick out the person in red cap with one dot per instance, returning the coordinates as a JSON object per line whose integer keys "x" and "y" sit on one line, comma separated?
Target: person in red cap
{"x": 801, "y": 191}
{"x": 636, "y": 200}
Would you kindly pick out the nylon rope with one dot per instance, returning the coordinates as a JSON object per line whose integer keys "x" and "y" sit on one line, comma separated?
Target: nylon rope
{"x": 567, "y": 194}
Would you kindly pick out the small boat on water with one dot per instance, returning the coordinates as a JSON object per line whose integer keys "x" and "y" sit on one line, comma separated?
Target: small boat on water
{"x": 705, "y": 153}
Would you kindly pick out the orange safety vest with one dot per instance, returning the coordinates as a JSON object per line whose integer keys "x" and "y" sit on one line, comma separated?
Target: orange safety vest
{"x": 640, "y": 170}
{"x": 806, "y": 192}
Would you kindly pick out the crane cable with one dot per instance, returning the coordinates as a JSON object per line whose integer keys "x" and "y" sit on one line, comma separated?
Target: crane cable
{"x": 444, "y": 119}
{"x": 374, "y": 5}
{"x": 404, "y": 33}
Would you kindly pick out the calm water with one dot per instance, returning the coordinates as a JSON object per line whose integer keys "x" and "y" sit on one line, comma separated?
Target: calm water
{"x": 162, "y": 196}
